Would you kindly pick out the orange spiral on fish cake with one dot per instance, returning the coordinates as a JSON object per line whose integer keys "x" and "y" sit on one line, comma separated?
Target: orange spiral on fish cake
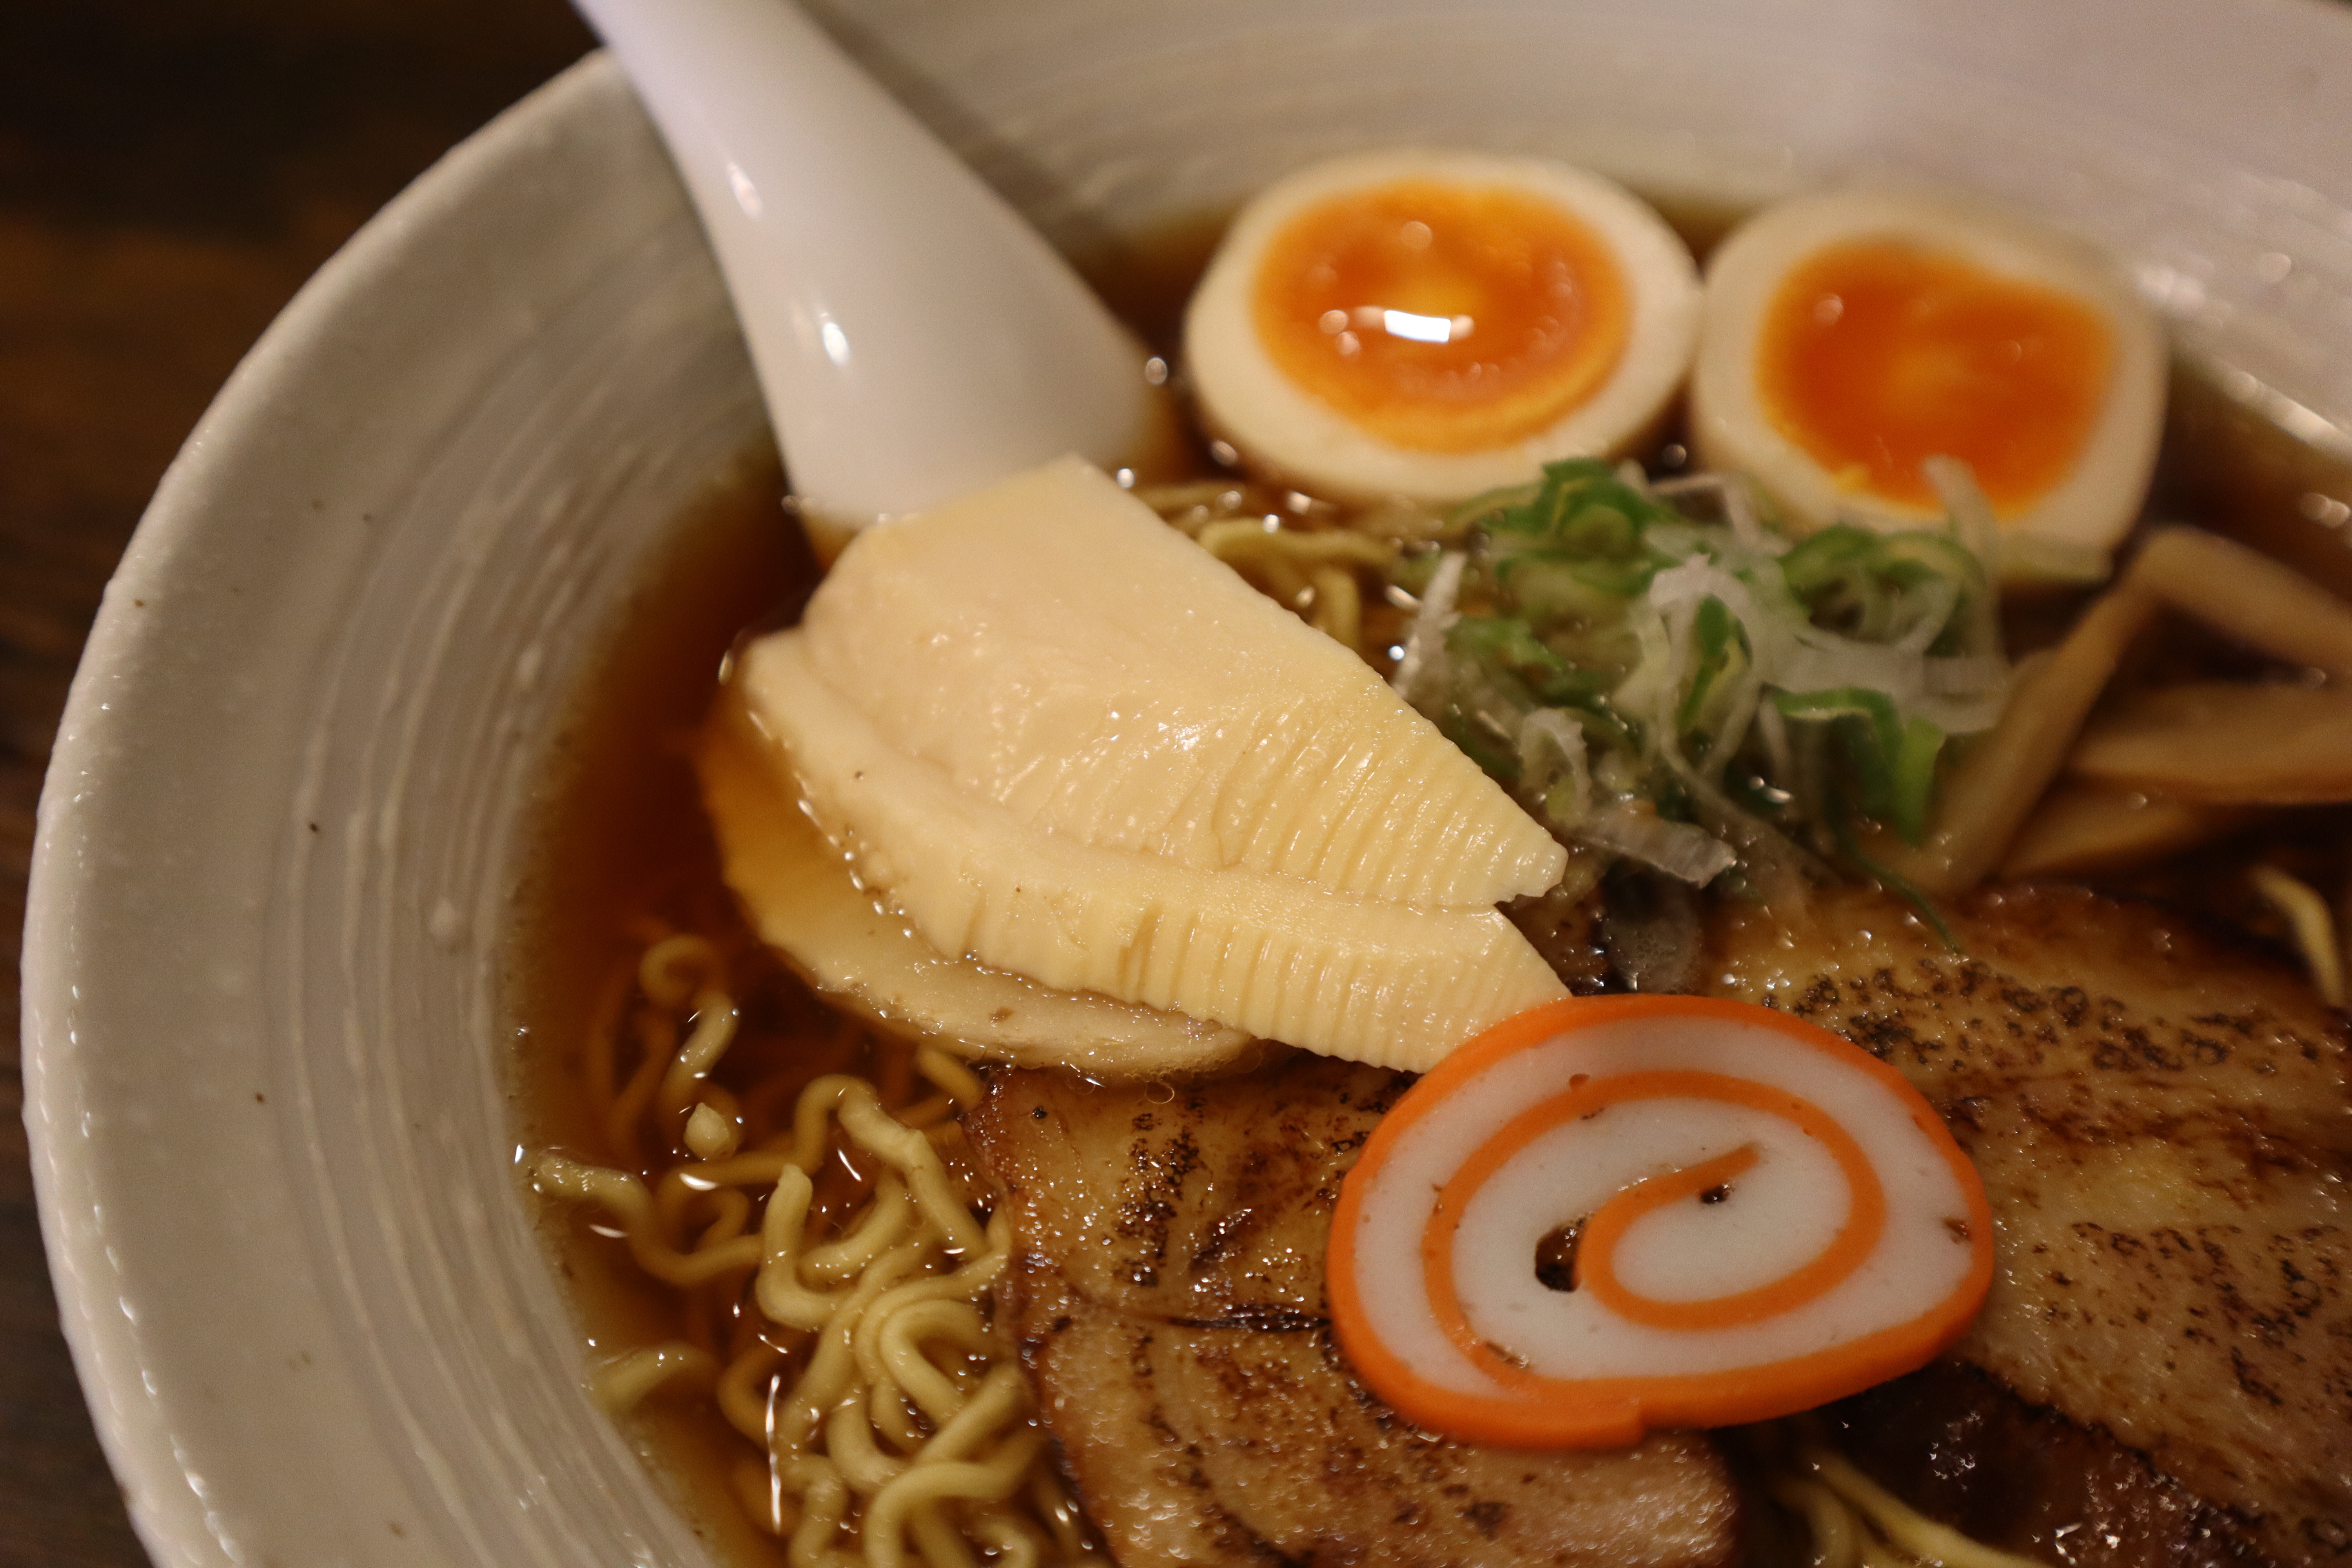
{"x": 1759, "y": 1217}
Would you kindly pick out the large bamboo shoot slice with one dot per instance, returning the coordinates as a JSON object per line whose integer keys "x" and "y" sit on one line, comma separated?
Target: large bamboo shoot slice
{"x": 1987, "y": 798}
{"x": 802, "y": 900}
{"x": 2227, "y": 743}
{"x": 1057, "y": 651}
{"x": 2082, "y": 829}
{"x": 1392, "y": 983}
{"x": 2244, "y": 594}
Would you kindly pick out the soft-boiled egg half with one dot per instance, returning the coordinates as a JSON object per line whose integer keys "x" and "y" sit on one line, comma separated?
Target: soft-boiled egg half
{"x": 1433, "y": 325}
{"x": 1850, "y": 337}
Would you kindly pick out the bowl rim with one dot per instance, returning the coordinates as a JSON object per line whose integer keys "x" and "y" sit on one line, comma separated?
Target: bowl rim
{"x": 159, "y": 1464}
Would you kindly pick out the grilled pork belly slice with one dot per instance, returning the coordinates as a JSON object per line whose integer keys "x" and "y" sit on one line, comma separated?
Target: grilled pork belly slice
{"x": 1170, "y": 1296}
{"x": 2165, "y": 1133}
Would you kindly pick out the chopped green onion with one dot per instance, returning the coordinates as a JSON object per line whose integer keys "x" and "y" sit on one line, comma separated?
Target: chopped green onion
{"x": 1702, "y": 675}
{"x": 1915, "y": 779}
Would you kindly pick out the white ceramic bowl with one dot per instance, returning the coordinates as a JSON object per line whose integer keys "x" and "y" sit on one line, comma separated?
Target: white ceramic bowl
{"x": 261, "y": 977}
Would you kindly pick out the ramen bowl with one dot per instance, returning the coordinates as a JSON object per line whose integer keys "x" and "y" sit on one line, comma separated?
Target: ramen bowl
{"x": 266, "y": 1031}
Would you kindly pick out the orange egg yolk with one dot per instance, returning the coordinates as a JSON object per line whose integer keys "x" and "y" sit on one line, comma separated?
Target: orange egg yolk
{"x": 1875, "y": 354}
{"x": 1442, "y": 319}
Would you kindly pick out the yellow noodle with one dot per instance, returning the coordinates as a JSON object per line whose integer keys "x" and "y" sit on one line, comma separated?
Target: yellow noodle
{"x": 674, "y": 969}
{"x": 681, "y": 1184}
{"x": 711, "y": 1135}
{"x": 714, "y": 1030}
{"x": 938, "y": 1480}
{"x": 761, "y": 1491}
{"x": 621, "y": 1384}
{"x": 1828, "y": 1518}
{"x": 809, "y": 1142}
{"x": 657, "y": 1042}
{"x": 1052, "y": 1502}
{"x": 1849, "y": 1521}
{"x": 740, "y": 1390}
{"x": 1003, "y": 1399}
{"x": 778, "y": 1288}
{"x": 966, "y": 1283}
{"x": 890, "y": 1414}
{"x": 623, "y": 1196}
{"x": 1875, "y": 1553}
{"x": 1249, "y": 539}
{"x": 781, "y": 1295}
{"x": 1188, "y": 493}
{"x": 891, "y": 1216}
{"x": 1015, "y": 1541}
{"x": 823, "y": 1500}
{"x": 733, "y": 1208}
{"x": 832, "y": 1371}
{"x": 928, "y": 1114}
{"x": 940, "y": 1544}
{"x": 905, "y": 1334}
{"x": 1339, "y": 605}
{"x": 721, "y": 1100}
{"x": 752, "y": 1168}
{"x": 2313, "y": 924}
{"x": 1313, "y": 570}
{"x": 893, "y": 1384}
{"x": 954, "y": 1077}
{"x": 1279, "y": 578}
{"x": 849, "y": 1443}
{"x": 1903, "y": 1525}
{"x": 862, "y": 1116}
{"x": 891, "y": 1406}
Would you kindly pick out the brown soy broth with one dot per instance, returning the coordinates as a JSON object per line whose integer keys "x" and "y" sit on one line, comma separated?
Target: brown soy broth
{"x": 622, "y": 841}
{"x": 621, "y": 835}
{"x": 621, "y": 838}
{"x": 624, "y": 845}
{"x": 1147, "y": 278}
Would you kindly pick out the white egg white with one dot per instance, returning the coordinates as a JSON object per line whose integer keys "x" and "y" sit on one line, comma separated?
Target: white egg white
{"x": 1289, "y": 433}
{"x": 2071, "y": 529}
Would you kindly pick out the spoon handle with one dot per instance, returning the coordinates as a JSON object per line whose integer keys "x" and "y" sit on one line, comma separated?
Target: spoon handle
{"x": 915, "y": 338}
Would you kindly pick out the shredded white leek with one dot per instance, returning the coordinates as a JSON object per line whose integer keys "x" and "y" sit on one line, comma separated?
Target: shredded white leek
{"x": 1424, "y": 643}
{"x": 1717, "y": 676}
{"x": 1681, "y": 849}
{"x": 1549, "y": 747}
{"x": 2313, "y": 925}
{"x": 1964, "y": 696}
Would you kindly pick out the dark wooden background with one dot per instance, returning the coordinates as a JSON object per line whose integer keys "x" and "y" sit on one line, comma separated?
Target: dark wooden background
{"x": 170, "y": 172}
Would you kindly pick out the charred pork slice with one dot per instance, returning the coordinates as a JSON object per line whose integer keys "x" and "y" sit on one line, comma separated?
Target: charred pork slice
{"x": 2164, "y": 1130}
{"x": 1170, "y": 1296}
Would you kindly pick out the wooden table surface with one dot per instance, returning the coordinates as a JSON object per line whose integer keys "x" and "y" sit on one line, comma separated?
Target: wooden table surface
{"x": 169, "y": 174}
